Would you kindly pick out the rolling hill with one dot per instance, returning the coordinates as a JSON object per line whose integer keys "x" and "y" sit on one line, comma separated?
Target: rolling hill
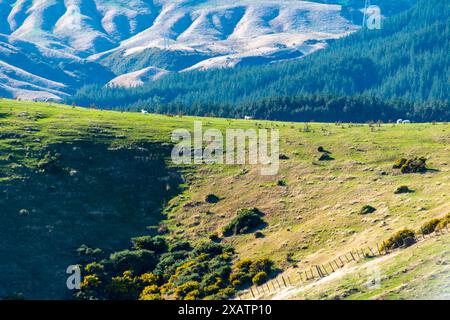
{"x": 73, "y": 180}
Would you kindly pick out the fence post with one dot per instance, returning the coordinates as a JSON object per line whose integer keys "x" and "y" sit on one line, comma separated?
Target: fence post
{"x": 323, "y": 269}
{"x": 331, "y": 266}
{"x": 284, "y": 281}
{"x": 338, "y": 266}
{"x": 289, "y": 279}
{"x": 351, "y": 253}
{"x": 278, "y": 283}
{"x": 252, "y": 292}
{"x": 319, "y": 272}
{"x": 363, "y": 254}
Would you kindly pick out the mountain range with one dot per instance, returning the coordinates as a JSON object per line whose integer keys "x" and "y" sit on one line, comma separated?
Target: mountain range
{"x": 398, "y": 71}
{"x": 49, "y": 48}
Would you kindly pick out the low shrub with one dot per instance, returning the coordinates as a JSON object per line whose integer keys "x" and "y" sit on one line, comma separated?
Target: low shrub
{"x": 124, "y": 287}
{"x": 402, "y": 238}
{"x": 367, "y": 209}
{"x": 184, "y": 271}
{"x": 91, "y": 282}
{"x": 150, "y": 293}
{"x": 399, "y": 163}
{"x": 261, "y": 265}
{"x": 259, "y": 278}
{"x": 210, "y": 249}
{"x": 214, "y": 237}
{"x": 259, "y": 235}
{"x": 225, "y": 293}
{"x": 95, "y": 268}
{"x": 414, "y": 165}
{"x": 444, "y": 222}
{"x": 403, "y": 189}
{"x": 212, "y": 198}
{"x": 430, "y": 226}
{"x": 187, "y": 290}
{"x": 180, "y": 245}
{"x": 244, "y": 222}
{"x": 250, "y": 271}
{"x": 155, "y": 244}
{"x": 136, "y": 261}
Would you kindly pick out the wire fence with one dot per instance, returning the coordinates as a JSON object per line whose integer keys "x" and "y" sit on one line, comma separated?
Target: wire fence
{"x": 316, "y": 272}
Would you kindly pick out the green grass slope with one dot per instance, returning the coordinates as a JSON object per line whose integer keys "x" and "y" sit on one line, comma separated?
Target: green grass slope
{"x": 73, "y": 176}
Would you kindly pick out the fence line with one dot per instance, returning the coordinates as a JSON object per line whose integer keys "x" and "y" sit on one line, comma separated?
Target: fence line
{"x": 317, "y": 272}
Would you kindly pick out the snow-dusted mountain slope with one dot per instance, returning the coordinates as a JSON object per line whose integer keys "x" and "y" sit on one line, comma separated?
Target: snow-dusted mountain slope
{"x": 138, "y": 78}
{"x": 133, "y": 37}
{"x": 31, "y": 72}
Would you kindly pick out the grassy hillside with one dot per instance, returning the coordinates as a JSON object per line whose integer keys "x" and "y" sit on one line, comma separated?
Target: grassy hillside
{"x": 73, "y": 176}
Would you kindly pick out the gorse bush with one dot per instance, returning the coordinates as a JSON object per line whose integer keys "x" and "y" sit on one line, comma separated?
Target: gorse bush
{"x": 155, "y": 244}
{"x": 443, "y": 223}
{"x": 250, "y": 271}
{"x": 136, "y": 261}
{"x": 259, "y": 278}
{"x": 188, "y": 290}
{"x": 150, "y": 293}
{"x": 415, "y": 165}
{"x": 124, "y": 287}
{"x": 407, "y": 237}
{"x": 430, "y": 226}
{"x": 402, "y": 238}
{"x": 245, "y": 221}
{"x": 174, "y": 270}
{"x": 180, "y": 245}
